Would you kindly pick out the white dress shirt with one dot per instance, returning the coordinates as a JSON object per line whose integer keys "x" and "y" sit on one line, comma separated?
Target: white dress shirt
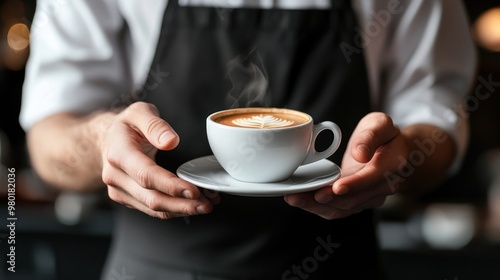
{"x": 420, "y": 57}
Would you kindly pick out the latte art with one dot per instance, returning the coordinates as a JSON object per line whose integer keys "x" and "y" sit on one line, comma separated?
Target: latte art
{"x": 261, "y": 118}
{"x": 262, "y": 121}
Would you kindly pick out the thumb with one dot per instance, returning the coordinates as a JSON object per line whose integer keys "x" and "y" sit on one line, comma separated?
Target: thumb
{"x": 372, "y": 132}
{"x": 146, "y": 119}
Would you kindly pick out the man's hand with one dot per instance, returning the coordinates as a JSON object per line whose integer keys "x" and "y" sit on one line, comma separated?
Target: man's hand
{"x": 376, "y": 148}
{"x": 132, "y": 176}
{"x": 79, "y": 152}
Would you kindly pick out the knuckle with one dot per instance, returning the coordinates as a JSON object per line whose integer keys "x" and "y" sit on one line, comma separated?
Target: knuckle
{"x": 137, "y": 108}
{"x": 153, "y": 125}
{"x": 381, "y": 119}
{"x": 111, "y": 158}
{"x": 144, "y": 178}
{"x": 130, "y": 110}
{"x": 108, "y": 177}
{"x": 115, "y": 195}
{"x": 153, "y": 203}
{"x": 140, "y": 106}
{"x": 371, "y": 137}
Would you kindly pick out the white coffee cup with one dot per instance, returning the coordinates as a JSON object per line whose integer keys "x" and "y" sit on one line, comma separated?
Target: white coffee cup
{"x": 263, "y": 145}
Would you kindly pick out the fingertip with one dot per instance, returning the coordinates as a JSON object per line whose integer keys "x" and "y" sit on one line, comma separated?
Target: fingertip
{"x": 168, "y": 139}
{"x": 362, "y": 153}
{"x": 340, "y": 189}
{"x": 212, "y": 196}
{"x": 188, "y": 194}
{"x": 204, "y": 208}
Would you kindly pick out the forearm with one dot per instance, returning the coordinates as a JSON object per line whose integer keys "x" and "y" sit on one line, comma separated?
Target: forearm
{"x": 431, "y": 152}
{"x": 64, "y": 150}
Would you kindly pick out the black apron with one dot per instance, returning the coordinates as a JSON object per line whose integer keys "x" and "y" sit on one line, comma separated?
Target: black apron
{"x": 221, "y": 58}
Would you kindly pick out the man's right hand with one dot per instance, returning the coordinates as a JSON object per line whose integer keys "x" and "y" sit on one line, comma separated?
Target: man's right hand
{"x": 131, "y": 174}
{"x": 119, "y": 150}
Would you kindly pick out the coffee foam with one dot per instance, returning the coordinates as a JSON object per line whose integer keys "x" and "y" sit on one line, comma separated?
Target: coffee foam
{"x": 260, "y": 118}
{"x": 262, "y": 121}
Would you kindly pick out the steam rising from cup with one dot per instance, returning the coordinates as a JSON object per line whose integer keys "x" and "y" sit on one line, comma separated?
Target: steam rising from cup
{"x": 250, "y": 83}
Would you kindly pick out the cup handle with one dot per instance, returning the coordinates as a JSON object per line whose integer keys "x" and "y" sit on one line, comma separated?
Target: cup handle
{"x": 314, "y": 155}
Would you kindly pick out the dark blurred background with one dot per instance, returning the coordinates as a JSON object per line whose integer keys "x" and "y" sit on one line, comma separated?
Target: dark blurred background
{"x": 452, "y": 233}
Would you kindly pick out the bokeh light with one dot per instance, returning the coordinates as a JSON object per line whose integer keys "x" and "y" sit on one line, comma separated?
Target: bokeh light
{"x": 18, "y": 37}
{"x": 16, "y": 52}
{"x": 486, "y": 30}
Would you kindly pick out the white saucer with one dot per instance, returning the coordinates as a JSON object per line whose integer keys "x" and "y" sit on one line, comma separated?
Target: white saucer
{"x": 207, "y": 173}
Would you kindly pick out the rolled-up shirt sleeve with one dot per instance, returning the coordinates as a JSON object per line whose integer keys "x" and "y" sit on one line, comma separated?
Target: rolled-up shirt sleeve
{"x": 422, "y": 64}
{"x": 75, "y": 63}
